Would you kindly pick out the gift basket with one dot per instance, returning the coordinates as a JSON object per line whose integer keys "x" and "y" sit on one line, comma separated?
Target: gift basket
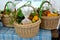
{"x": 49, "y": 17}
{"x": 26, "y": 26}
{"x": 8, "y": 15}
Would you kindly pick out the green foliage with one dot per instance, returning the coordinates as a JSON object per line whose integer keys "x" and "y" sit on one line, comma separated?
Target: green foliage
{"x": 20, "y": 16}
{"x": 40, "y": 11}
{"x": 8, "y": 11}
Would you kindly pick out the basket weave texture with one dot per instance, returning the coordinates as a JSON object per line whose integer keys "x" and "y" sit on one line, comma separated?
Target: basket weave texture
{"x": 7, "y": 18}
{"x": 49, "y": 23}
{"x": 27, "y": 30}
{"x": 6, "y": 21}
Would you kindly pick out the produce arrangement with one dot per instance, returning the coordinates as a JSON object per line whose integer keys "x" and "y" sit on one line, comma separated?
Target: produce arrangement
{"x": 8, "y": 14}
{"x": 20, "y": 16}
{"x": 49, "y": 16}
{"x": 33, "y": 17}
{"x": 27, "y": 21}
{"x": 47, "y": 12}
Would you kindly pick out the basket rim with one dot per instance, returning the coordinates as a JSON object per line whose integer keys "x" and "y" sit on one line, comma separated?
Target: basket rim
{"x": 53, "y": 17}
{"x": 3, "y": 15}
{"x": 26, "y": 25}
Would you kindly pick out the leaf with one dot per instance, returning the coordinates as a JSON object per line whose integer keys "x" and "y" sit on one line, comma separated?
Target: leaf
{"x": 20, "y": 14}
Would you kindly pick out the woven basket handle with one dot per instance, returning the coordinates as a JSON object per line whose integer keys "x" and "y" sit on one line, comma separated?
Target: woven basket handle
{"x": 40, "y": 11}
{"x": 28, "y": 5}
{"x": 7, "y": 4}
{"x": 31, "y": 7}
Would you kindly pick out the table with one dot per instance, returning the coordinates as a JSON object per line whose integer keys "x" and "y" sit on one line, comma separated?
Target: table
{"x": 10, "y": 34}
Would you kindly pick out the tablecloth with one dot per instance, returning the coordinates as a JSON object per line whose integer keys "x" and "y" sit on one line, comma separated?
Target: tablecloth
{"x": 10, "y": 34}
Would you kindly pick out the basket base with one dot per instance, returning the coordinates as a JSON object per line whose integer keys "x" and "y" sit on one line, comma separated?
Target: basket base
{"x": 28, "y": 30}
{"x": 28, "y": 36}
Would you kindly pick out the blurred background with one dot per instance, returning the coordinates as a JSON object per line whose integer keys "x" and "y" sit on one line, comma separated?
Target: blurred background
{"x": 35, "y": 2}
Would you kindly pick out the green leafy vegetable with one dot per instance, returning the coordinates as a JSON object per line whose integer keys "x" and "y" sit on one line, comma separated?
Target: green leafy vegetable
{"x": 20, "y": 16}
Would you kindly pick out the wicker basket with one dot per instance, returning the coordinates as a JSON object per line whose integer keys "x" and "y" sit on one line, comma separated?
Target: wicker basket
{"x": 49, "y": 23}
{"x": 7, "y": 18}
{"x": 27, "y": 30}
{"x": 6, "y": 21}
